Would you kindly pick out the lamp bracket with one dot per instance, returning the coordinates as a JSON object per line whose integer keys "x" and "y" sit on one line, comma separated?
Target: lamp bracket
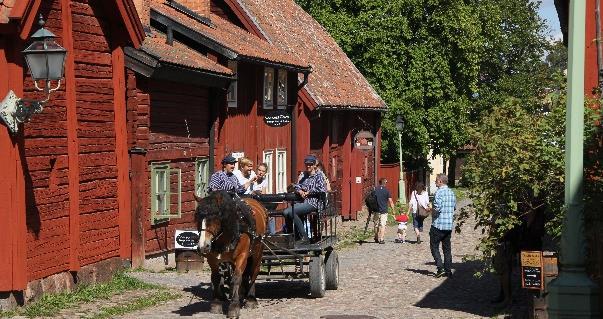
{"x": 15, "y": 111}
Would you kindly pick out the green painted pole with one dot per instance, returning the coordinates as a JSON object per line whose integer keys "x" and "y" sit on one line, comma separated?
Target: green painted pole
{"x": 401, "y": 190}
{"x": 573, "y": 294}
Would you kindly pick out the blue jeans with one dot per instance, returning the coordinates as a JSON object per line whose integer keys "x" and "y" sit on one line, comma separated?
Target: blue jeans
{"x": 300, "y": 210}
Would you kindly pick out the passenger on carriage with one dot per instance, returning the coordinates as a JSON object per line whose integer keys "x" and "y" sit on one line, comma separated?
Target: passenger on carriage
{"x": 225, "y": 179}
{"x": 310, "y": 187}
{"x": 245, "y": 174}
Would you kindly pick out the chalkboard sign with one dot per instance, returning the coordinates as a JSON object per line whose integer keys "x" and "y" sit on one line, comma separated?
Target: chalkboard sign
{"x": 531, "y": 270}
{"x": 186, "y": 239}
{"x": 277, "y": 118}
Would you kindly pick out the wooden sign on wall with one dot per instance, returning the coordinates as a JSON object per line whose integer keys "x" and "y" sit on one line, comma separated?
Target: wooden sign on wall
{"x": 531, "y": 270}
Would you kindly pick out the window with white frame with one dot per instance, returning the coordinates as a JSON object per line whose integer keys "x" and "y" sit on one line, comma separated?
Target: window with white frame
{"x": 281, "y": 89}
{"x": 231, "y": 95}
{"x": 268, "y": 88}
{"x": 269, "y": 160}
{"x": 166, "y": 192}
{"x": 201, "y": 177}
{"x": 281, "y": 171}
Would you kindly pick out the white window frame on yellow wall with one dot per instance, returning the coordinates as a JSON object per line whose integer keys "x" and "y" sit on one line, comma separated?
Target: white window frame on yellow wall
{"x": 268, "y": 157}
{"x": 281, "y": 171}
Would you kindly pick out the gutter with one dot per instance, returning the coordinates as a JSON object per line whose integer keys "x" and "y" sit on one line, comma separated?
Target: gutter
{"x": 351, "y": 108}
{"x": 599, "y": 44}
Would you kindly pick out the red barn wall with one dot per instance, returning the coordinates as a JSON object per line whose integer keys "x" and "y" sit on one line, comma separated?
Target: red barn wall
{"x": 171, "y": 119}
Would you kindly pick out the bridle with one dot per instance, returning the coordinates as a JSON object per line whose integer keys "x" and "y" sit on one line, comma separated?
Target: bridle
{"x": 203, "y": 230}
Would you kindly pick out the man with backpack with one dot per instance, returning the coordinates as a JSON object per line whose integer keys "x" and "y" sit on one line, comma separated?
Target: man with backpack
{"x": 383, "y": 198}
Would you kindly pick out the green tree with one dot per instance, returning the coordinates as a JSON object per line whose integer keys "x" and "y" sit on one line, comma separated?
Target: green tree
{"x": 440, "y": 64}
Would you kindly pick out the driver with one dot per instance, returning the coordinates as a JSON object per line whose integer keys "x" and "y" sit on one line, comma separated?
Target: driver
{"x": 310, "y": 185}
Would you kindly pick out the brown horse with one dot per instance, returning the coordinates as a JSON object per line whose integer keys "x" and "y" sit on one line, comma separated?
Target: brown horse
{"x": 230, "y": 232}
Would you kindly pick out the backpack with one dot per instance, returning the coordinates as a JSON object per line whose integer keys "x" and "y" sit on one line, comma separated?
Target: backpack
{"x": 371, "y": 201}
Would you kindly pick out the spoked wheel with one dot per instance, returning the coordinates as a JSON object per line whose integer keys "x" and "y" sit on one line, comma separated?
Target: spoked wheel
{"x": 332, "y": 270}
{"x": 317, "y": 277}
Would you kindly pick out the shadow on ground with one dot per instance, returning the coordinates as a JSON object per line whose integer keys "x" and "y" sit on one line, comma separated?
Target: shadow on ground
{"x": 199, "y": 301}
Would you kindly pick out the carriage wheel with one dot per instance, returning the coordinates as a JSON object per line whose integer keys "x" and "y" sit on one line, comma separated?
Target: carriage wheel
{"x": 317, "y": 277}
{"x": 332, "y": 271}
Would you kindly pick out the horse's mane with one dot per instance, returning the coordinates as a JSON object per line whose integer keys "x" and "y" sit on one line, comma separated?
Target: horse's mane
{"x": 222, "y": 205}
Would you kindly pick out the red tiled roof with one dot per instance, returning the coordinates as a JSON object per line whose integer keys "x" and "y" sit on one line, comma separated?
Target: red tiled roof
{"x": 5, "y": 7}
{"x": 180, "y": 54}
{"x": 232, "y": 37}
{"x": 334, "y": 81}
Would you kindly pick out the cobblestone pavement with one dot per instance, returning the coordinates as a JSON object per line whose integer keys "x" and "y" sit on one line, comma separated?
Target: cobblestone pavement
{"x": 376, "y": 281}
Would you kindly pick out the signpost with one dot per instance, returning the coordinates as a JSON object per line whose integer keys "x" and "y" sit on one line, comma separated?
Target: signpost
{"x": 531, "y": 270}
{"x": 276, "y": 118}
{"x": 187, "y": 258}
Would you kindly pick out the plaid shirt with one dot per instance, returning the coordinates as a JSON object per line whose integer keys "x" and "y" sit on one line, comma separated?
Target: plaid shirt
{"x": 444, "y": 204}
{"x": 227, "y": 182}
{"x": 314, "y": 185}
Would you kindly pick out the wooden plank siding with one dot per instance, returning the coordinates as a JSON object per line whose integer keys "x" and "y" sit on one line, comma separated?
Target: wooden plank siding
{"x": 171, "y": 121}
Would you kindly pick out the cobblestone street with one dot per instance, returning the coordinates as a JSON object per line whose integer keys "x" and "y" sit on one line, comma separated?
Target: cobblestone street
{"x": 376, "y": 281}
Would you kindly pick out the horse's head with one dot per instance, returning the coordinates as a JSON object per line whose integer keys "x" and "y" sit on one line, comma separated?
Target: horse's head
{"x": 215, "y": 215}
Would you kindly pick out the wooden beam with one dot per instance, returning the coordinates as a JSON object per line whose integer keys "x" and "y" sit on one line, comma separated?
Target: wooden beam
{"x": 72, "y": 139}
{"x": 29, "y": 17}
{"x": 121, "y": 152}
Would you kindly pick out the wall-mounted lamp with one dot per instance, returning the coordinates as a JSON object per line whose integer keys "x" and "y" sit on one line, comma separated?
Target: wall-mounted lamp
{"x": 46, "y": 62}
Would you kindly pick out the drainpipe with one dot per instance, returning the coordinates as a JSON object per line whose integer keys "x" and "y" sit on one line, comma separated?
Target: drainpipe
{"x": 599, "y": 43}
{"x": 294, "y": 130}
{"x": 573, "y": 294}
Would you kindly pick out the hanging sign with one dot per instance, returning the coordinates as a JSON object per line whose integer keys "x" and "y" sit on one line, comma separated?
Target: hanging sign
{"x": 186, "y": 239}
{"x": 364, "y": 140}
{"x": 276, "y": 118}
{"x": 531, "y": 270}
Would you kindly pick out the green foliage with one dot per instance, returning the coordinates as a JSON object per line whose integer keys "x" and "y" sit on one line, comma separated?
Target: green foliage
{"x": 137, "y": 304}
{"x": 440, "y": 64}
{"x": 518, "y": 167}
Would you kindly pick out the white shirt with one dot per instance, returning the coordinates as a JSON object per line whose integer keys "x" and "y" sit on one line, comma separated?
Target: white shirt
{"x": 242, "y": 180}
{"x": 260, "y": 186}
{"x": 423, "y": 199}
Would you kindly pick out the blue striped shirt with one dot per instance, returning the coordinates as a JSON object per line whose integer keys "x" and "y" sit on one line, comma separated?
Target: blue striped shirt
{"x": 314, "y": 185}
{"x": 220, "y": 180}
{"x": 444, "y": 204}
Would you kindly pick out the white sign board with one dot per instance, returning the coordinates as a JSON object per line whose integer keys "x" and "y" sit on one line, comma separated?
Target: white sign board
{"x": 358, "y": 179}
{"x": 186, "y": 239}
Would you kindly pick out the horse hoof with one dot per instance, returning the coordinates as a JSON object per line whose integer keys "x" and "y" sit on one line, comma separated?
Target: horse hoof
{"x": 234, "y": 310}
{"x": 215, "y": 307}
{"x": 251, "y": 303}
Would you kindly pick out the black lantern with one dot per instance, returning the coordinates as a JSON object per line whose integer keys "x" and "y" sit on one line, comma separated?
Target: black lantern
{"x": 400, "y": 123}
{"x": 45, "y": 58}
{"x": 46, "y": 61}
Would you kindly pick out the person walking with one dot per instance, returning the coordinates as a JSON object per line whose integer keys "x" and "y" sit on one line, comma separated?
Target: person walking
{"x": 419, "y": 197}
{"x": 380, "y": 218}
{"x": 444, "y": 204}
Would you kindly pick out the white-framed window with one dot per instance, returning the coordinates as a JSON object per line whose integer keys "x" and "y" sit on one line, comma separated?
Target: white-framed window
{"x": 268, "y": 157}
{"x": 231, "y": 95}
{"x": 281, "y": 171}
{"x": 166, "y": 192}
{"x": 281, "y": 89}
{"x": 201, "y": 176}
{"x": 268, "y": 88}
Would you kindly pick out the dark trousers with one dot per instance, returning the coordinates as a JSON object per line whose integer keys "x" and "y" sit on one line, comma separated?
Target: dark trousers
{"x": 435, "y": 237}
{"x": 300, "y": 210}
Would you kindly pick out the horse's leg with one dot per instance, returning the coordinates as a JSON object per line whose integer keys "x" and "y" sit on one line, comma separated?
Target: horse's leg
{"x": 218, "y": 295}
{"x": 240, "y": 262}
{"x": 256, "y": 262}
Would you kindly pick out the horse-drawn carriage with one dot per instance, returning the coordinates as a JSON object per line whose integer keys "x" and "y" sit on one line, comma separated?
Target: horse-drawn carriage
{"x": 287, "y": 258}
{"x": 238, "y": 246}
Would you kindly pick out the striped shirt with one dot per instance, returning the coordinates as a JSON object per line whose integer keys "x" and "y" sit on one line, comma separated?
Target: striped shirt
{"x": 444, "y": 204}
{"x": 220, "y": 180}
{"x": 313, "y": 184}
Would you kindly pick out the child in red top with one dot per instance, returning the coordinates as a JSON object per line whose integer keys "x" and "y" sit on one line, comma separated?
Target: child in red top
{"x": 402, "y": 219}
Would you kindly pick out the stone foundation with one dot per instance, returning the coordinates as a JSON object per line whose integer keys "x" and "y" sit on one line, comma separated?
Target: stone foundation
{"x": 62, "y": 282}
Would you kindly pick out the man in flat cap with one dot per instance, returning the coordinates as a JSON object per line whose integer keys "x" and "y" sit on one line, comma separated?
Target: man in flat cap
{"x": 226, "y": 179}
{"x": 310, "y": 186}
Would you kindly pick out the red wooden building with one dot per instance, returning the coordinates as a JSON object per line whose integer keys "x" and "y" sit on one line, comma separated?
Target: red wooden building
{"x": 335, "y": 104}
{"x": 64, "y": 178}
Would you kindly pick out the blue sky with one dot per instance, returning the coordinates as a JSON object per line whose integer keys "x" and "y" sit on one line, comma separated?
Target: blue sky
{"x": 547, "y": 12}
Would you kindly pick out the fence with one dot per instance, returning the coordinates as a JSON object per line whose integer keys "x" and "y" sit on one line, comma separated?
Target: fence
{"x": 392, "y": 173}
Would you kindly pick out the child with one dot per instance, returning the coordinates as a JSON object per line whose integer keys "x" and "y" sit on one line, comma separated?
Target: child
{"x": 402, "y": 219}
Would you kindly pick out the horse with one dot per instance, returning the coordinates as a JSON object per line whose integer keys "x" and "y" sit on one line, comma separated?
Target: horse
{"x": 230, "y": 238}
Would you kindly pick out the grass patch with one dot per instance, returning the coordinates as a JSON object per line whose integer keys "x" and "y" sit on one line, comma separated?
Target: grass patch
{"x": 134, "y": 305}
{"x": 52, "y": 304}
{"x": 353, "y": 236}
